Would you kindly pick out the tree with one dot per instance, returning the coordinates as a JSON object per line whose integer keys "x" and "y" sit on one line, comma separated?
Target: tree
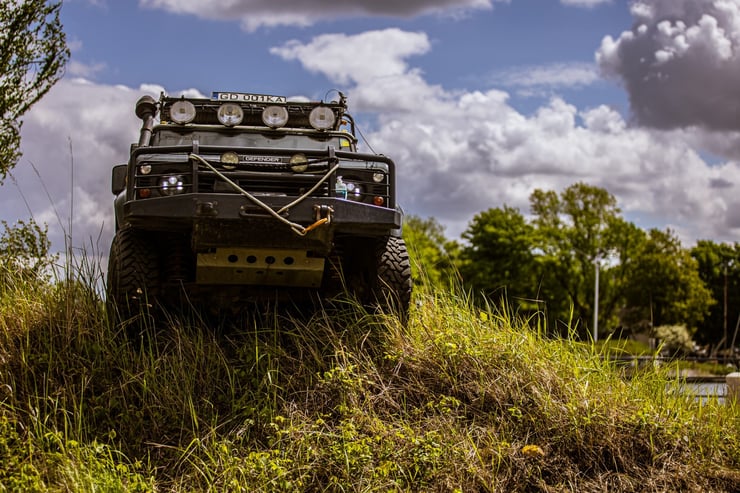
{"x": 25, "y": 252}
{"x": 498, "y": 260}
{"x": 664, "y": 284}
{"x": 33, "y": 52}
{"x": 719, "y": 268}
{"x": 575, "y": 231}
{"x": 431, "y": 252}
{"x": 645, "y": 279}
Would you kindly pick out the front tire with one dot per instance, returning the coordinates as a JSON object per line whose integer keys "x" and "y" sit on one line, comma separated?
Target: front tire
{"x": 133, "y": 275}
{"x": 393, "y": 281}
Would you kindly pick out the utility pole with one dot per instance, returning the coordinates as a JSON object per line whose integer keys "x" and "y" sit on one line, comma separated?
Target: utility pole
{"x": 724, "y": 321}
{"x": 596, "y": 299}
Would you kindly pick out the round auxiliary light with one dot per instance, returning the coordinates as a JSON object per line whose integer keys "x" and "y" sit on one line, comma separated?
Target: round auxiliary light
{"x": 275, "y": 116}
{"x": 378, "y": 177}
{"x": 230, "y": 114}
{"x": 182, "y": 112}
{"x": 298, "y": 163}
{"x": 172, "y": 185}
{"x": 229, "y": 160}
{"x": 354, "y": 191}
{"x": 145, "y": 169}
{"x": 322, "y": 118}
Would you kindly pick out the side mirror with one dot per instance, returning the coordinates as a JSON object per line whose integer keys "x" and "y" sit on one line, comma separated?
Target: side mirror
{"x": 119, "y": 177}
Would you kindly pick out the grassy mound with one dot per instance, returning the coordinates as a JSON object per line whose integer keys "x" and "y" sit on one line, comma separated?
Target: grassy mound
{"x": 341, "y": 401}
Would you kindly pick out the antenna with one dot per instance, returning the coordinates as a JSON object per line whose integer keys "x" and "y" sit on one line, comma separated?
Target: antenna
{"x": 364, "y": 139}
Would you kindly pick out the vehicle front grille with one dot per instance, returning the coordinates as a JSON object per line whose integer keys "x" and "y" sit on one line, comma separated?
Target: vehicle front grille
{"x": 263, "y": 179}
{"x": 282, "y": 184}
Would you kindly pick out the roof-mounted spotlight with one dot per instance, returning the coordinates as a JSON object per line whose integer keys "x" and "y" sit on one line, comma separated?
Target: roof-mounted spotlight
{"x": 322, "y": 118}
{"x": 275, "y": 116}
{"x": 230, "y": 114}
{"x": 182, "y": 112}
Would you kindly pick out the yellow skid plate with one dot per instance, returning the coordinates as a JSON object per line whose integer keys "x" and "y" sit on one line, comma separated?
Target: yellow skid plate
{"x": 259, "y": 267}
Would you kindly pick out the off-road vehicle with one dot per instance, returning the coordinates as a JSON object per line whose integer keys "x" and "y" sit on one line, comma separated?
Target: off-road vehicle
{"x": 245, "y": 197}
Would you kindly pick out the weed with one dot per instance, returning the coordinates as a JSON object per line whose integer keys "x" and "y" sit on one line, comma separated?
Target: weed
{"x": 457, "y": 399}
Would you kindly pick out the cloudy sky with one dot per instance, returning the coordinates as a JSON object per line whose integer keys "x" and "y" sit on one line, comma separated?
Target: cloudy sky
{"x": 479, "y": 102}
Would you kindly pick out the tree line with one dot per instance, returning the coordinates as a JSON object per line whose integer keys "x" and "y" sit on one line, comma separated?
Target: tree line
{"x": 548, "y": 266}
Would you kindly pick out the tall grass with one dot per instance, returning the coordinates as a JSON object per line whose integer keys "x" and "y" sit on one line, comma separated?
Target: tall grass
{"x": 458, "y": 399}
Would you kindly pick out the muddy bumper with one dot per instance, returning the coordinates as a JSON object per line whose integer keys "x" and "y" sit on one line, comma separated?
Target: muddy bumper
{"x": 218, "y": 220}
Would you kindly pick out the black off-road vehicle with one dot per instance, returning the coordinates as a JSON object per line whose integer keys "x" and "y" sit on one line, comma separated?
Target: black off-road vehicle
{"x": 249, "y": 197}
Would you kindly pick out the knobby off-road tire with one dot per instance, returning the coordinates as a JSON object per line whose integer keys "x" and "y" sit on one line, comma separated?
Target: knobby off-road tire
{"x": 393, "y": 280}
{"x": 133, "y": 279}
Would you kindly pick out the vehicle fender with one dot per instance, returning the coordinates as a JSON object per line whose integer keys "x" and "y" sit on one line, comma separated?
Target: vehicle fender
{"x": 118, "y": 208}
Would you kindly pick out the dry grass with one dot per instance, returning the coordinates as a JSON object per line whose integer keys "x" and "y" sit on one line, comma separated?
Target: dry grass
{"x": 336, "y": 401}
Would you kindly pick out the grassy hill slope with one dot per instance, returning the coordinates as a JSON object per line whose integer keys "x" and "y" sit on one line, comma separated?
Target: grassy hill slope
{"x": 339, "y": 401}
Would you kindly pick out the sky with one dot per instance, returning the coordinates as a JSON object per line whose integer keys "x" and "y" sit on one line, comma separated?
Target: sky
{"x": 479, "y": 102}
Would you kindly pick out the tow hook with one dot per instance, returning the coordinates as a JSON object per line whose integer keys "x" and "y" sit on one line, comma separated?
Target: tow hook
{"x": 206, "y": 208}
{"x": 322, "y": 214}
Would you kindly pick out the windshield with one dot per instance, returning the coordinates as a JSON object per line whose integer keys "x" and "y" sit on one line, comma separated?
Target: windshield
{"x": 249, "y": 139}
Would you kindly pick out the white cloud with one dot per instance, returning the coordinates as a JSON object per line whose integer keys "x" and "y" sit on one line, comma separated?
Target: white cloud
{"x": 374, "y": 53}
{"x": 584, "y": 3}
{"x": 74, "y": 45}
{"x": 680, "y": 63}
{"x": 254, "y": 14}
{"x": 603, "y": 120}
{"x": 553, "y": 76}
{"x": 84, "y": 70}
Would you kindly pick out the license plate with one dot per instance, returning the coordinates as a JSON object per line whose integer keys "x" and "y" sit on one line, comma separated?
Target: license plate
{"x": 246, "y": 97}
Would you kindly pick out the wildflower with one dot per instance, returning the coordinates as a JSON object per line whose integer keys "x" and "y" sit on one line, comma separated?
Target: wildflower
{"x": 532, "y": 451}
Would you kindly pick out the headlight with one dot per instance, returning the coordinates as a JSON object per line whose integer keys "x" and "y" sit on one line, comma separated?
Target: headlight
{"x": 229, "y": 160}
{"x": 230, "y": 114}
{"x": 322, "y": 118}
{"x": 182, "y": 112}
{"x": 172, "y": 185}
{"x": 298, "y": 163}
{"x": 145, "y": 169}
{"x": 275, "y": 116}
{"x": 354, "y": 191}
{"x": 378, "y": 177}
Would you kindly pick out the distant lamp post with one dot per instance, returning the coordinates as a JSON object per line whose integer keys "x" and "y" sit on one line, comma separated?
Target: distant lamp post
{"x": 597, "y": 264}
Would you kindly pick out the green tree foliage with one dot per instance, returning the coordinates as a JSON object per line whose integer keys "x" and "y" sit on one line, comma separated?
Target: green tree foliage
{"x": 664, "y": 284}
{"x": 616, "y": 269}
{"x": 498, "y": 259}
{"x": 432, "y": 253}
{"x": 575, "y": 231}
{"x": 33, "y": 52}
{"x": 719, "y": 268}
{"x": 25, "y": 251}
{"x": 550, "y": 264}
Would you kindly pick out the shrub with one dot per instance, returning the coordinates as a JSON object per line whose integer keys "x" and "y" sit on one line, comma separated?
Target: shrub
{"x": 25, "y": 252}
{"x": 675, "y": 339}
